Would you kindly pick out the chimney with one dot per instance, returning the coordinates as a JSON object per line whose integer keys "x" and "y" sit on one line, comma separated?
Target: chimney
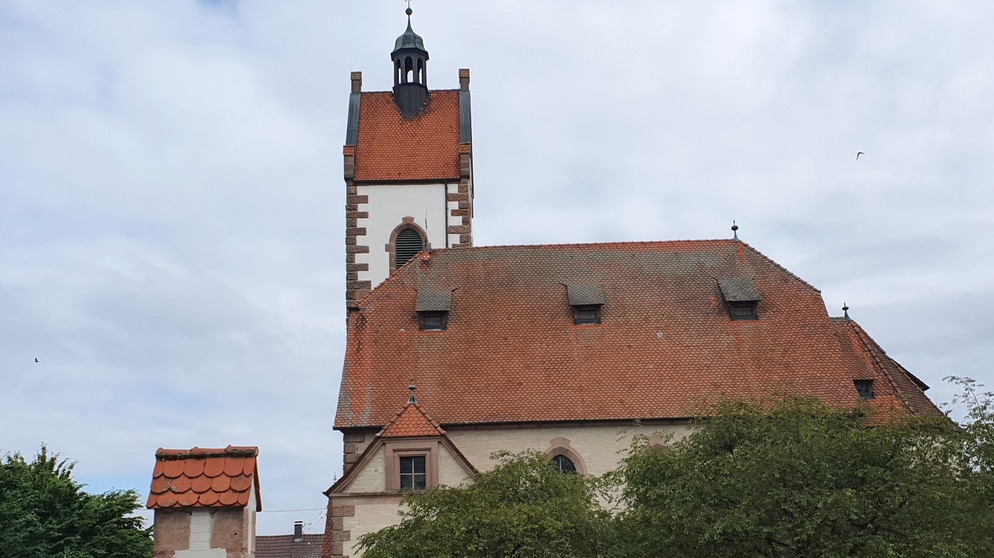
{"x": 298, "y": 531}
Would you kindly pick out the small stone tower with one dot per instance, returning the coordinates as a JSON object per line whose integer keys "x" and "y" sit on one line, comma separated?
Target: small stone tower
{"x": 205, "y": 501}
{"x": 408, "y": 169}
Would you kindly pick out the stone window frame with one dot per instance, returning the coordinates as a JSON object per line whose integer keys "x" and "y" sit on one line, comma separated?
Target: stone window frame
{"x": 562, "y": 446}
{"x": 407, "y": 223}
{"x": 428, "y": 449}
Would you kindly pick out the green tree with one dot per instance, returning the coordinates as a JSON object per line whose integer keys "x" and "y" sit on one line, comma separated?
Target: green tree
{"x": 523, "y": 508}
{"x": 798, "y": 479}
{"x": 978, "y": 452}
{"x": 44, "y": 513}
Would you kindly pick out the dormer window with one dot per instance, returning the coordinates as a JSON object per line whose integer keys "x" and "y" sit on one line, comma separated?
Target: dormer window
{"x": 586, "y": 300}
{"x": 741, "y": 296}
{"x": 433, "y": 308}
{"x": 587, "y": 314}
{"x": 864, "y": 388}
{"x": 743, "y": 310}
{"x": 433, "y": 321}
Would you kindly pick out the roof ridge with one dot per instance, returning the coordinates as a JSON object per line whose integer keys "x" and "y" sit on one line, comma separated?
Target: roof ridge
{"x": 777, "y": 265}
{"x": 617, "y": 243}
{"x": 203, "y": 453}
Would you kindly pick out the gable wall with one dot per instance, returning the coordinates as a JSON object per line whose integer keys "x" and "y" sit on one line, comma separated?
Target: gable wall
{"x": 371, "y": 477}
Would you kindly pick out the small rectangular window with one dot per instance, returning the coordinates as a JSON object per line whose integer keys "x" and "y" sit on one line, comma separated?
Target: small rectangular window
{"x": 743, "y": 310}
{"x": 864, "y": 388}
{"x": 587, "y": 314}
{"x": 433, "y": 321}
{"x": 413, "y": 475}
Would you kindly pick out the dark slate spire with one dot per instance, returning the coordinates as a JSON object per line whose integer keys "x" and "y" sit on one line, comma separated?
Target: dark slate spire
{"x": 410, "y": 71}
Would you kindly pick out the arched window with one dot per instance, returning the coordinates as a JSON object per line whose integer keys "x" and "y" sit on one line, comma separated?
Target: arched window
{"x": 563, "y": 464}
{"x": 408, "y": 243}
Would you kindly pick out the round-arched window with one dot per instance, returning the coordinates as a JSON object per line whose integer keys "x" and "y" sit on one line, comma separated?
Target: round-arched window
{"x": 408, "y": 243}
{"x": 564, "y": 464}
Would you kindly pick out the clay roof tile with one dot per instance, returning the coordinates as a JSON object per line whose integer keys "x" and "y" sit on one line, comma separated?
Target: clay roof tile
{"x": 392, "y": 147}
{"x": 666, "y": 347}
{"x": 203, "y": 476}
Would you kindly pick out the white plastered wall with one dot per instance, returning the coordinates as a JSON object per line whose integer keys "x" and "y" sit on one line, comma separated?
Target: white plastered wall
{"x": 601, "y": 447}
{"x": 387, "y": 205}
{"x": 201, "y": 529}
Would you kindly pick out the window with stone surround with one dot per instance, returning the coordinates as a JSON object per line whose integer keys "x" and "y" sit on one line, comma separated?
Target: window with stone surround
{"x": 413, "y": 472}
{"x": 411, "y": 464}
{"x": 564, "y": 456}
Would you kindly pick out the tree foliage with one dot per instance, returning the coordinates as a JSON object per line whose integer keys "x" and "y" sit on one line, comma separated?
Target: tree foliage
{"x": 524, "y": 507}
{"x": 44, "y": 513}
{"x": 800, "y": 479}
{"x": 784, "y": 479}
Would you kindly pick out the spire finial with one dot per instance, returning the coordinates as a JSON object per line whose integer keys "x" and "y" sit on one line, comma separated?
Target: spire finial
{"x": 411, "y": 400}
{"x": 845, "y": 311}
{"x": 408, "y": 11}
{"x": 735, "y": 230}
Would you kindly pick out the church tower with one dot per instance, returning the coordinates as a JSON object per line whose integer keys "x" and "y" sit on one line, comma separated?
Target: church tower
{"x": 408, "y": 169}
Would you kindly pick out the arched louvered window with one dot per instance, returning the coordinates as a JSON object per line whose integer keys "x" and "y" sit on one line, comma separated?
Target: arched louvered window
{"x": 408, "y": 243}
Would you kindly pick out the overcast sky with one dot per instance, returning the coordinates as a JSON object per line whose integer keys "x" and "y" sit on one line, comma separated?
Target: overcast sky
{"x": 172, "y": 201}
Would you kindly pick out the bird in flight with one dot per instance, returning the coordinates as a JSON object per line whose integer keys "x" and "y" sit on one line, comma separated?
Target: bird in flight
{"x": 858, "y": 154}
{"x": 36, "y": 359}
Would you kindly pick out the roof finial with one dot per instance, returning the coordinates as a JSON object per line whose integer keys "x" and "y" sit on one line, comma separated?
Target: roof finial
{"x": 411, "y": 400}
{"x": 845, "y": 311}
{"x": 408, "y": 11}
{"x": 735, "y": 230}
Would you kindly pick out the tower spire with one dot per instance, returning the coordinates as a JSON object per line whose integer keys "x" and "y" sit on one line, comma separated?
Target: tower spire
{"x": 410, "y": 70}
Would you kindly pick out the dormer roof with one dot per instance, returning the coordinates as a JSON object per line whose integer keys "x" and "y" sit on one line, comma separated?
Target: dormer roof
{"x": 411, "y": 422}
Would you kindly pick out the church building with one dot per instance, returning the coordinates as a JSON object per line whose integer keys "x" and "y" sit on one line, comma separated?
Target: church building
{"x": 456, "y": 351}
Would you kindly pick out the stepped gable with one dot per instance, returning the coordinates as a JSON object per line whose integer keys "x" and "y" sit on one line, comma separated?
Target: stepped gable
{"x": 392, "y": 147}
{"x": 665, "y": 347}
{"x": 204, "y": 478}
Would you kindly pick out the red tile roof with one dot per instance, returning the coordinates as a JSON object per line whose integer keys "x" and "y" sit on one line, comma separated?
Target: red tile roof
{"x": 411, "y": 422}
{"x": 204, "y": 478}
{"x": 391, "y": 147}
{"x": 283, "y": 546}
{"x": 666, "y": 347}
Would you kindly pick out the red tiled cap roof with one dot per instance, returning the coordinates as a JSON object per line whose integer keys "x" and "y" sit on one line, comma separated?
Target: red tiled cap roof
{"x": 204, "y": 478}
{"x": 411, "y": 422}
{"x": 665, "y": 349}
{"x": 392, "y": 147}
